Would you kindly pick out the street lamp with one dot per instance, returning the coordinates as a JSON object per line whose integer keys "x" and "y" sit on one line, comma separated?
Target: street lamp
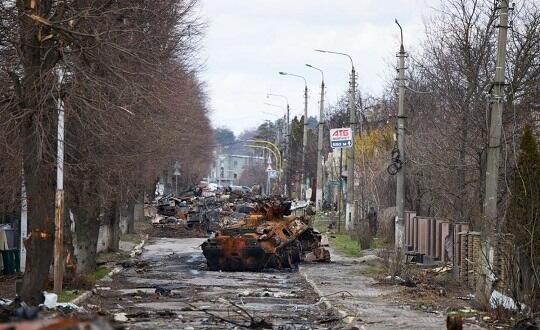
{"x": 350, "y": 213}
{"x": 286, "y": 145}
{"x": 304, "y": 140}
{"x": 319, "y": 191}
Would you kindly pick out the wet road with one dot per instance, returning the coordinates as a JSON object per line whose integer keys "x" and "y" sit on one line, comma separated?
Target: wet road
{"x": 201, "y": 299}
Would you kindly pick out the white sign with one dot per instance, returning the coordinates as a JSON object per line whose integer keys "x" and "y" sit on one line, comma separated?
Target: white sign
{"x": 341, "y": 137}
{"x": 273, "y": 174}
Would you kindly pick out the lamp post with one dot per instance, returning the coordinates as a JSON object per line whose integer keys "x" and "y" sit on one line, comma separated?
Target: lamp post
{"x": 319, "y": 191}
{"x": 286, "y": 145}
{"x": 304, "y": 140}
{"x": 350, "y": 207}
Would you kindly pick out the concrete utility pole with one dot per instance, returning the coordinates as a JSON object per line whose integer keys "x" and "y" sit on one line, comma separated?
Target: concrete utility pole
{"x": 287, "y": 152}
{"x": 58, "y": 273}
{"x": 24, "y": 224}
{"x": 400, "y": 177}
{"x": 493, "y": 154}
{"x": 350, "y": 161}
{"x": 340, "y": 202}
{"x": 319, "y": 192}
{"x": 304, "y": 145}
{"x": 304, "y": 140}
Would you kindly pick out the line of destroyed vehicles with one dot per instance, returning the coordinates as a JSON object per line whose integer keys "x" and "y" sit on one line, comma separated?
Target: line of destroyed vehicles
{"x": 248, "y": 232}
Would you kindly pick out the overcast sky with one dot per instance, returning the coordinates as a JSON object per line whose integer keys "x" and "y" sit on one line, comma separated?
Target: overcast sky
{"x": 249, "y": 41}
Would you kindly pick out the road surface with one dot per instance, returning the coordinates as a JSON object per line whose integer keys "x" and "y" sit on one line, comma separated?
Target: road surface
{"x": 201, "y": 299}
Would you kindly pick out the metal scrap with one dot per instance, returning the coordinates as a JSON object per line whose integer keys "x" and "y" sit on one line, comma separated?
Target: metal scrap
{"x": 269, "y": 236}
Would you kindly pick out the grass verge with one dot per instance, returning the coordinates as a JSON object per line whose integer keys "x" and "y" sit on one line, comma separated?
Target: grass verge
{"x": 100, "y": 273}
{"x": 69, "y": 295}
{"x": 345, "y": 244}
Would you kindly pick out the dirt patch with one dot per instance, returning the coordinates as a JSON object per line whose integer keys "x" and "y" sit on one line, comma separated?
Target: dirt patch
{"x": 7, "y": 285}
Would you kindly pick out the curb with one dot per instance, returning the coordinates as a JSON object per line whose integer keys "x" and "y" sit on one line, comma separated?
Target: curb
{"x": 346, "y": 318}
{"x": 137, "y": 250}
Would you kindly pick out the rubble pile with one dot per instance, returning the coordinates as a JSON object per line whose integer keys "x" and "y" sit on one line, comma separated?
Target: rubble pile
{"x": 201, "y": 210}
{"x": 50, "y": 314}
{"x": 268, "y": 236}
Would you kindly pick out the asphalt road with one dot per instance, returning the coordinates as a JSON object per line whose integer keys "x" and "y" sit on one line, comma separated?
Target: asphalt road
{"x": 201, "y": 299}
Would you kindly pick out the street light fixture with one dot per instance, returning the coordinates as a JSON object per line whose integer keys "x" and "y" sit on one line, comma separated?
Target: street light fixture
{"x": 304, "y": 140}
{"x": 350, "y": 213}
{"x": 319, "y": 190}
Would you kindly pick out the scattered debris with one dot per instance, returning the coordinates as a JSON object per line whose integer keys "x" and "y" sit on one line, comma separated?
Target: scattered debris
{"x": 318, "y": 254}
{"x": 499, "y": 299}
{"x": 59, "y": 323}
{"x": 269, "y": 237}
{"x": 267, "y": 293}
{"x": 163, "y": 291}
{"x": 526, "y": 324}
{"x": 398, "y": 280}
{"x": 120, "y": 317}
{"x": 50, "y": 299}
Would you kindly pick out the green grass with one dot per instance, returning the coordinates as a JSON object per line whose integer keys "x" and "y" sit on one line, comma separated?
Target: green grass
{"x": 345, "y": 244}
{"x": 369, "y": 270}
{"x": 68, "y": 295}
{"x": 378, "y": 243}
{"x": 100, "y": 272}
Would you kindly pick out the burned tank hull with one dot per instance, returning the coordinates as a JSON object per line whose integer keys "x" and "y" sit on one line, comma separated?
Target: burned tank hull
{"x": 267, "y": 239}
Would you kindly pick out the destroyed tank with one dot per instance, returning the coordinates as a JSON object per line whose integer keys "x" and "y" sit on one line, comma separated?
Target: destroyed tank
{"x": 268, "y": 237}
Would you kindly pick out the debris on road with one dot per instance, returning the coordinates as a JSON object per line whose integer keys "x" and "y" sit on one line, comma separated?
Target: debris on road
{"x": 268, "y": 237}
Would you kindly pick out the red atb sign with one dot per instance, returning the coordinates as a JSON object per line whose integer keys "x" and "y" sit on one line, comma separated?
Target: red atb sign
{"x": 341, "y": 137}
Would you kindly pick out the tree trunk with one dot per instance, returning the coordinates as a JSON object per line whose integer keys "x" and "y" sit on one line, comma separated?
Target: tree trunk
{"x": 38, "y": 129}
{"x": 39, "y": 244}
{"x": 85, "y": 240}
{"x": 131, "y": 217}
{"x": 113, "y": 218}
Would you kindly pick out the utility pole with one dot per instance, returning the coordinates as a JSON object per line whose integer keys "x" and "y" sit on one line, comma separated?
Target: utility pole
{"x": 493, "y": 154}
{"x": 24, "y": 224}
{"x": 287, "y": 153}
{"x": 350, "y": 208}
{"x": 400, "y": 177}
{"x": 304, "y": 144}
{"x": 319, "y": 191}
{"x": 340, "y": 201}
{"x": 58, "y": 273}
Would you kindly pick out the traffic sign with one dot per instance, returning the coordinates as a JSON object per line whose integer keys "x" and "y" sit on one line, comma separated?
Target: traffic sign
{"x": 273, "y": 174}
{"x": 341, "y": 137}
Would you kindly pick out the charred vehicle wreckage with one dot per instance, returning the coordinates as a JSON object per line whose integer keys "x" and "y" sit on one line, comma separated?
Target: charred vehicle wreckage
{"x": 270, "y": 236}
{"x": 247, "y": 233}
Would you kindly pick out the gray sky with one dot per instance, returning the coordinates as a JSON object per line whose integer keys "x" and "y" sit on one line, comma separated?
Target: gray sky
{"x": 249, "y": 41}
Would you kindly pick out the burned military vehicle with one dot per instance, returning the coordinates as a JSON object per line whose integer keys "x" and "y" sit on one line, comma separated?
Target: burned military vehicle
{"x": 268, "y": 237}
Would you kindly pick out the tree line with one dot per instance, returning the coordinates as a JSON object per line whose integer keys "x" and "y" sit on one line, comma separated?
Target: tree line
{"x": 126, "y": 75}
{"x": 449, "y": 79}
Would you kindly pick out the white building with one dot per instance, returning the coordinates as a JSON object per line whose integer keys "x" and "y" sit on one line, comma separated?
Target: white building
{"x": 227, "y": 169}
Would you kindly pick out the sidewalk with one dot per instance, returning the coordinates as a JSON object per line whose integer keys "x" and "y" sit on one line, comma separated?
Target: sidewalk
{"x": 360, "y": 302}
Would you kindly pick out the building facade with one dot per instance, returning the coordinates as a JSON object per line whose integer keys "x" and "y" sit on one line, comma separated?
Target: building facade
{"x": 227, "y": 168}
